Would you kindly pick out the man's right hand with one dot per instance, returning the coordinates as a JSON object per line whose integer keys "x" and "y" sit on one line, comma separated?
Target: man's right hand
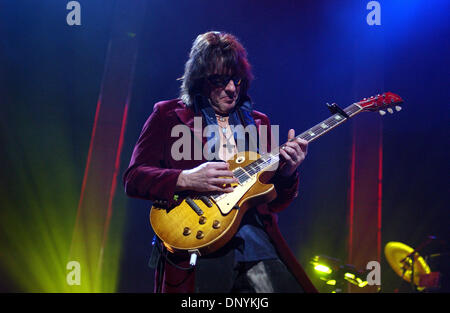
{"x": 207, "y": 177}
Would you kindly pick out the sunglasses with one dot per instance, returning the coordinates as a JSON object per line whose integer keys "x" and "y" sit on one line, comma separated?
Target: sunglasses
{"x": 223, "y": 80}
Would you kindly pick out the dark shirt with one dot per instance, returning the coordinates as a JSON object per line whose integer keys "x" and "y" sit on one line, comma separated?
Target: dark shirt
{"x": 255, "y": 244}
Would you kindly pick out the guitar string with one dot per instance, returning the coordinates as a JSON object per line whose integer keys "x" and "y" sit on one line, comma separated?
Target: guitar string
{"x": 331, "y": 122}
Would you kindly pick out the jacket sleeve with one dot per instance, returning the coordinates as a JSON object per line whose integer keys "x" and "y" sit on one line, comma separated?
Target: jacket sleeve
{"x": 286, "y": 187}
{"x": 146, "y": 177}
{"x": 287, "y": 191}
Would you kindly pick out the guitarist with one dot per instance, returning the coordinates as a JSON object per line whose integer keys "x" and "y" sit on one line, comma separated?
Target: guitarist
{"x": 214, "y": 87}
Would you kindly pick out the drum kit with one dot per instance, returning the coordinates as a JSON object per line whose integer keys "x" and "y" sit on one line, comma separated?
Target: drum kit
{"x": 428, "y": 273}
{"x": 426, "y": 268}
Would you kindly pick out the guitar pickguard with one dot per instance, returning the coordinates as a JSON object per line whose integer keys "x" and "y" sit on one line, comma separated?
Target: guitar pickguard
{"x": 227, "y": 201}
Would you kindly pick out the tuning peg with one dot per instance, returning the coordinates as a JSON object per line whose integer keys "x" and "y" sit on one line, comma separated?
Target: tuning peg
{"x": 382, "y": 112}
{"x": 398, "y": 108}
{"x": 390, "y": 110}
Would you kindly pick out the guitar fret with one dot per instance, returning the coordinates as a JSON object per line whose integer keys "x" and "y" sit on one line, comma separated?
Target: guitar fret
{"x": 324, "y": 125}
{"x": 241, "y": 175}
{"x": 253, "y": 167}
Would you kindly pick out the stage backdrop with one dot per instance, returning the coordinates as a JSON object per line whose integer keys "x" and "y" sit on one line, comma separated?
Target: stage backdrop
{"x": 370, "y": 181}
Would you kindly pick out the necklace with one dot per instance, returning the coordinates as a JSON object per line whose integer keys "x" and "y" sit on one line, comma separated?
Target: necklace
{"x": 224, "y": 132}
{"x": 224, "y": 128}
{"x": 221, "y": 118}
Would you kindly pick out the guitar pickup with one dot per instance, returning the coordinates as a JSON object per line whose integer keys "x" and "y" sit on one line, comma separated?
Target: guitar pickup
{"x": 194, "y": 206}
{"x": 206, "y": 201}
{"x": 231, "y": 185}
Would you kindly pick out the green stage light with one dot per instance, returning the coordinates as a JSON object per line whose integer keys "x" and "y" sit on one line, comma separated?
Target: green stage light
{"x": 323, "y": 264}
{"x": 349, "y": 275}
{"x": 336, "y": 273}
{"x": 323, "y": 268}
{"x": 331, "y": 282}
{"x": 361, "y": 283}
{"x": 37, "y": 221}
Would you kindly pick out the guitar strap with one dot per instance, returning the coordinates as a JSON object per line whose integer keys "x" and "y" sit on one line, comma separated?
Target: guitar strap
{"x": 240, "y": 116}
{"x": 244, "y": 110}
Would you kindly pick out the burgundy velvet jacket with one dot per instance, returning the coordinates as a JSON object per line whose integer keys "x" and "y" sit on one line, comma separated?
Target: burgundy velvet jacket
{"x": 153, "y": 173}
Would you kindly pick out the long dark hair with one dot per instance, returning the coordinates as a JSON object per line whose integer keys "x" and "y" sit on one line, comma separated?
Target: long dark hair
{"x": 210, "y": 52}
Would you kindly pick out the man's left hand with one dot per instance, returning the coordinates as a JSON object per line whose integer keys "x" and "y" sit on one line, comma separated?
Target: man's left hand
{"x": 292, "y": 154}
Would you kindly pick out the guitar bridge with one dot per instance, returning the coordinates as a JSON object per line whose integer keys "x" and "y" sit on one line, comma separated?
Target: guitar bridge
{"x": 194, "y": 206}
{"x": 206, "y": 201}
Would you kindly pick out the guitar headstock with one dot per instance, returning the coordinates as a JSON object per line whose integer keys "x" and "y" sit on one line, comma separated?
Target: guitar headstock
{"x": 381, "y": 103}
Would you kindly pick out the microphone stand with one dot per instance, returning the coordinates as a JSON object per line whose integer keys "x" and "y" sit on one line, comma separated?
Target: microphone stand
{"x": 413, "y": 259}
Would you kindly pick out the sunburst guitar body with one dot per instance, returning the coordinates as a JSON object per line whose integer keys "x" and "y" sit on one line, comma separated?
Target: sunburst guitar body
{"x": 203, "y": 224}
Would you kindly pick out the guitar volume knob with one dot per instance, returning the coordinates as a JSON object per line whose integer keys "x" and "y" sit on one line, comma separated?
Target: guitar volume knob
{"x": 200, "y": 234}
{"x": 216, "y": 224}
{"x": 186, "y": 231}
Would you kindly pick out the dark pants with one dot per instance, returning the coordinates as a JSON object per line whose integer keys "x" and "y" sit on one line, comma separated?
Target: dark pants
{"x": 266, "y": 276}
{"x": 220, "y": 274}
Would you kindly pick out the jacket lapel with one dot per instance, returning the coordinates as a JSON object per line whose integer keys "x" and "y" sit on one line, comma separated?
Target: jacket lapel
{"x": 257, "y": 123}
{"x": 186, "y": 116}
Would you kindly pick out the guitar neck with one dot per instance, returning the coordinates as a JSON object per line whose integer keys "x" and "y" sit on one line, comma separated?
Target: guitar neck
{"x": 333, "y": 121}
{"x": 378, "y": 103}
{"x": 269, "y": 159}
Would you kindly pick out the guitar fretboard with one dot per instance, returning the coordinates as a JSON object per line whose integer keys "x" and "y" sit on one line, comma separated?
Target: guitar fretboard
{"x": 267, "y": 160}
{"x": 310, "y": 135}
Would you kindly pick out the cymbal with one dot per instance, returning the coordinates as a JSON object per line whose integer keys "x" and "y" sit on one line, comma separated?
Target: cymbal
{"x": 396, "y": 252}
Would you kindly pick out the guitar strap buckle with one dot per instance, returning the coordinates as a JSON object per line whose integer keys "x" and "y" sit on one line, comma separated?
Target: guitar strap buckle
{"x": 334, "y": 108}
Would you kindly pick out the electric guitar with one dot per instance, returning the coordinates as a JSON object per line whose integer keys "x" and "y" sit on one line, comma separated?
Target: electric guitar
{"x": 202, "y": 224}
